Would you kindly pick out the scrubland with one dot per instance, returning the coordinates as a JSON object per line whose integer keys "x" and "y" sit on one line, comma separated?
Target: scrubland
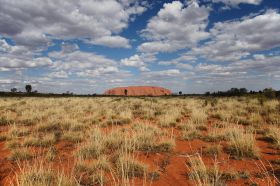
{"x": 139, "y": 141}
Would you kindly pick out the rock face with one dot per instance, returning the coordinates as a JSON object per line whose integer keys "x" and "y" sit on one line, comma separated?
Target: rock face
{"x": 139, "y": 91}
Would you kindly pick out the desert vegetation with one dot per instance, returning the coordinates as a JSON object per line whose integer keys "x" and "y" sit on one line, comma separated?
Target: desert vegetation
{"x": 139, "y": 141}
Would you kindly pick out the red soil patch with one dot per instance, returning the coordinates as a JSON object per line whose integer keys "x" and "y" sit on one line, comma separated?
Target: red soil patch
{"x": 6, "y": 167}
{"x": 172, "y": 167}
{"x": 139, "y": 91}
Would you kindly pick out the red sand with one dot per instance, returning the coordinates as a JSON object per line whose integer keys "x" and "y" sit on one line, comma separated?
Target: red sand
{"x": 139, "y": 91}
{"x": 172, "y": 167}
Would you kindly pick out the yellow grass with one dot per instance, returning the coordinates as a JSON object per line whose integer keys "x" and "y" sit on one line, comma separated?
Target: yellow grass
{"x": 104, "y": 136}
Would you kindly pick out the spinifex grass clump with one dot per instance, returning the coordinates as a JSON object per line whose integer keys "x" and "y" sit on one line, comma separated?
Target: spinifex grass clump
{"x": 242, "y": 143}
{"x": 273, "y": 134}
{"x": 199, "y": 117}
{"x": 121, "y": 118}
{"x": 46, "y": 140}
{"x": 101, "y": 163}
{"x": 107, "y": 140}
{"x": 90, "y": 151}
{"x": 16, "y": 131}
{"x": 203, "y": 175}
{"x": 214, "y": 135}
{"x": 189, "y": 131}
{"x": 170, "y": 118}
{"x": 42, "y": 175}
{"x": 128, "y": 166}
{"x": 20, "y": 154}
{"x": 94, "y": 146}
{"x": 150, "y": 138}
{"x": 5, "y": 121}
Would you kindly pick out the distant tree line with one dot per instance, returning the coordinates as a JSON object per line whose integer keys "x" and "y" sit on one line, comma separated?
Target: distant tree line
{"x": 267, "y": 92}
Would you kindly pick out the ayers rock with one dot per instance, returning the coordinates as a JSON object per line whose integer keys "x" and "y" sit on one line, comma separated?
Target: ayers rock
{"x": 139, "y": 91}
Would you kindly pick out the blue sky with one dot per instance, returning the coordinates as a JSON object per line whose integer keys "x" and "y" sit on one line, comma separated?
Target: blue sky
{"x": 192, "y": 46}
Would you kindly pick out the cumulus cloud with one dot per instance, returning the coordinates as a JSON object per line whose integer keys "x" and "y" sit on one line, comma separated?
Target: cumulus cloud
{"x": 112, "y": 41}
{"x": 83, "y": 64}
{"x": 175, "y": 27}
{"x": 163, "y": 74}
{"x": 98, "y": 71}
{"x": 183, "y": 62}
{"x": 4, "y": 46}
{"x": 19, "y": 57}
{"x": 247, "y": 46}
{"x": 58, "y": 74}
{"x": 133, "y": 61}
{"x": 235, "y": 3}
{"x": 19, "y": 63}
{"x": 233, "y": 40}
{"x": 34, "y": 23}
{"x": 8, "y": 81}
{"x": 260, "y": 64}
{"x": 139, "y": 60}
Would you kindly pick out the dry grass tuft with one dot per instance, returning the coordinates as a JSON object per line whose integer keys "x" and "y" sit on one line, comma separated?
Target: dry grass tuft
{"x": 40, "y": 175}
{"x": 128, "y": 167}
{"x": 106, "y": 137}
{"x": 202, "y": 175}
{"x": 242, "y": 143}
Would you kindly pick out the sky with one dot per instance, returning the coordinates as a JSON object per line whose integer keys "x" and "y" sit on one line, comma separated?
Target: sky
{"x": 88, "y": 46}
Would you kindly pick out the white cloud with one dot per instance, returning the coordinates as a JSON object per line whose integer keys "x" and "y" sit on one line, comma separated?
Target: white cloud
{"x": 133, "y": 61}
{"x": 184, "y": 66}
{"x": 112, "y": 41}
{"x": 4, "y": 46}
{"x": 260, "y": 64}
{"x": 101, "y": 71}
{"x": 233, "y": 40}
{"x": 175, "y": 27}
{"x": 235, "y": 3}
{"x": 15, "y": 63}
{"x": 177, "y": 64}
{"x": 8, "y": 81}
{"x": 139, "y": 60}
{"x": 155, "y": 75}
{"x": 83, "y": 63}
{"x": 34, "y": 23}
{"x": 19, "y": 57}
{"x": 182, "y": 62}
{"x": 115, "y": 81}
{"x": 144, "y": 69}
{"x": 59, "y": 74}
{"x": 242, "y": 44}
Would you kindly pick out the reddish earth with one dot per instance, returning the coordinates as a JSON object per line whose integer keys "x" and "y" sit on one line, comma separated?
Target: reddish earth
{"x": 172, "y": 167}
{"x": 139, "y": 91}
